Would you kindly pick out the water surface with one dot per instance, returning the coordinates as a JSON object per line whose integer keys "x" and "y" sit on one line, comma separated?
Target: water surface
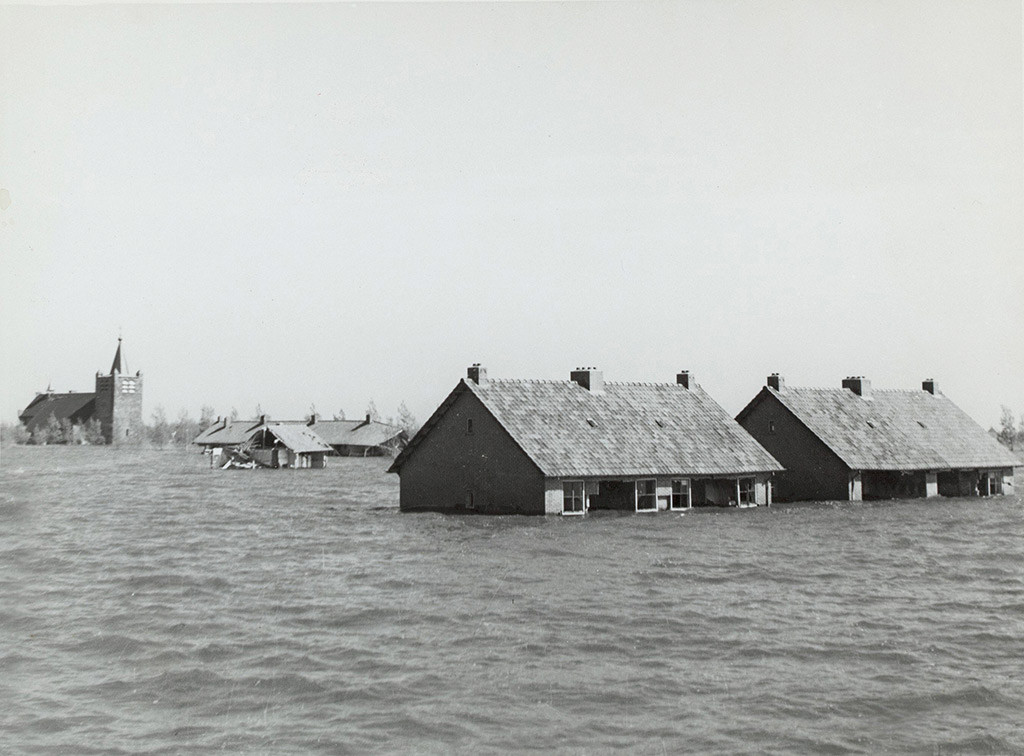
{"x": 149, "y": 604}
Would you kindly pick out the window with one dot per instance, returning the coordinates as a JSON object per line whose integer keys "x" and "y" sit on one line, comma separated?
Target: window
{"x": 469, "y": 425}
{"x": 745, "y": 491}
{"x": 591, "y": 423}
{"x": 995, "y": 485}
{"x": 871, "y": 424}
{"x": 128, "y": 386}
{"x": 470, "y": 501}
{"x": 646, "y": 496}
{"x": 680, "y": 495}
{"x": 771, "y": 426}
{"x": 572, "y": 497}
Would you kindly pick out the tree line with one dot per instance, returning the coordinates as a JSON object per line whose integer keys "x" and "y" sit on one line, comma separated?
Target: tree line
{"x": 1010, "y": 434}
{"x": 161, "y": 431}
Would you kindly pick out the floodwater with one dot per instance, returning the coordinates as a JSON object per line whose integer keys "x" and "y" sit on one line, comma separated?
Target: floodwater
{"x": 149, "y": 604}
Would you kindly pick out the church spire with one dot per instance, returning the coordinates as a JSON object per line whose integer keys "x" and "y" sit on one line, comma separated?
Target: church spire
{"x": 115, "y": 367}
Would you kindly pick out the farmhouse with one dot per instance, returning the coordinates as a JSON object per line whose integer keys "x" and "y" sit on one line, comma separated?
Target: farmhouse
{"x": 264, "y": 444}
{"x": 346, "y": 438}
{"x": 569, "y": 447}
{"x": 360, "y": 438}
{"x": 854, "y": 443}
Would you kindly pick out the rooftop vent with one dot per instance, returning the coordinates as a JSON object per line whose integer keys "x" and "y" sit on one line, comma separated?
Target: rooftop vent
{"x": 776, "y": 382}
{"x": 589, "y": 378}
{"x": 859, "y": 385}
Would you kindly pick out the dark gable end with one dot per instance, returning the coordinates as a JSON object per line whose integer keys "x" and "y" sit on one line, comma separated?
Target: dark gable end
{"x": 463, "y": 387}
{"x": 813, "y": 470}
{"x": 464, "y": 459}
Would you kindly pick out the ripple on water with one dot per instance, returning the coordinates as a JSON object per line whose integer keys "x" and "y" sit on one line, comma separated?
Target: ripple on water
{"x": 150, "y": 604}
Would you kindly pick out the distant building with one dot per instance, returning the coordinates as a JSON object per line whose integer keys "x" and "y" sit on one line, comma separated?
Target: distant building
{"x": 286, "y": 445}
{"x": 345, "y": 438}
{"x": 568, "y": 447}
{"x": 116, "y": 403}
{"x": 854, "y": 443}
{"x": 361, "y": 438}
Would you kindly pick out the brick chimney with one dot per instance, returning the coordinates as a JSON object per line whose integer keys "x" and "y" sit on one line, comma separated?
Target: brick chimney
{"x": 477, "y": 373}
{"x": 684, "y": 378}
{"x": 930, "y": 386}
{"x": 589, "y": 378}
{"x": 859, "y": 385}
{"x": 776, "y": 382}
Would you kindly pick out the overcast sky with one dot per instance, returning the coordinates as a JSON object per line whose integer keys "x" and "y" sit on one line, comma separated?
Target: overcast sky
{"x": 289, "y": 205}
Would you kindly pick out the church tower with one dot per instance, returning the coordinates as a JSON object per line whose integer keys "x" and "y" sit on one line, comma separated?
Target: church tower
{"x": 119, "y": 403}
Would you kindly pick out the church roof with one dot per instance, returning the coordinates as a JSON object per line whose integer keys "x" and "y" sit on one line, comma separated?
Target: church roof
{"x": 78, "y": 407}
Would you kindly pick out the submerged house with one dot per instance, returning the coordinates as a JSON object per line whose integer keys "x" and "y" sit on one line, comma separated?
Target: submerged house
{"x": 265, "y": 444}
{"x": 854, "y": 443}
{"x": 568, "y": 447}
{"x": 345, "y": 438}
{"x": 360, "y": 438}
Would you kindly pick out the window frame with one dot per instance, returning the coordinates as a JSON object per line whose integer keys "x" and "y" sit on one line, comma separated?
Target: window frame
{"x": 653, "y": 494}
{"x": 751, "y": 492}
{"x": 572, "y": 497}
{"x": 672, "y": 496}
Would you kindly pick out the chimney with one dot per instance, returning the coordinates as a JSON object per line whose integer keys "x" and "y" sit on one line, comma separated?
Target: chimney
{"x": 684, "y": 378}
{"x": 477, "y": 373}
{"x": 930, "y": 385}
{"x": 859, "y": 385}
{"x": 263, "y": 419}
{"x": 776, "y": 382}
{"x": 589, "y": 378}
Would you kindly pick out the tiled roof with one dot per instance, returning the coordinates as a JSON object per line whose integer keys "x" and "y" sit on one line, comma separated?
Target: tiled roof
{"x": 227, "y": 433}
{"x": 895, "y": 430}
{"x": 355, "y": 432}
{"x": 295, "y": 435}
{"x": 298, "y": 437}
{"x": 628, "y": 429}
{"x": 73, "y": 405}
